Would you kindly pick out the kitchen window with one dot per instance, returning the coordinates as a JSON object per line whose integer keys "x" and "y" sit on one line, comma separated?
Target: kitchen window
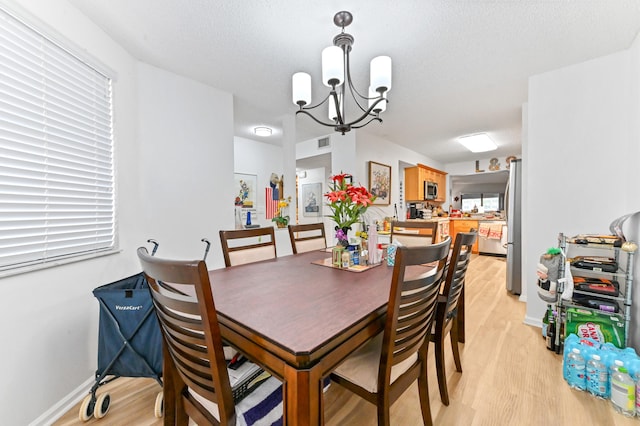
{"x": 56, "y": 152}
{"x": 484, "y": 202}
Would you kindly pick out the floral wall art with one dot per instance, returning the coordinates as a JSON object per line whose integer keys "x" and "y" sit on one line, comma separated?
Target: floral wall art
{"x": 380, "y": 183}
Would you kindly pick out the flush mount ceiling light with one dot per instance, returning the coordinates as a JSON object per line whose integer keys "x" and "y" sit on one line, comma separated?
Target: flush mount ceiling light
{"x": 263, "y": 131}
{"x": 337, "y": 75}
{"x": 479, "y": 142}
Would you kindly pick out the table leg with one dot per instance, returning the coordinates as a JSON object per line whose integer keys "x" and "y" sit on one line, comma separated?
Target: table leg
{"x": 302, "y": 397}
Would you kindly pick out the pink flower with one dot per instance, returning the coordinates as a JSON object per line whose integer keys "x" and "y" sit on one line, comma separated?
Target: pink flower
{"x": 346, "y": 201}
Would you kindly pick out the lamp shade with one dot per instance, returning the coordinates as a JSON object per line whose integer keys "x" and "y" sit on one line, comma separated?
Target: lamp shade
{"x": 373, "y": 97}
{"x": 381, "y": 73}
{"x": 332, "y": 66}
{"x": 301, "y": 85}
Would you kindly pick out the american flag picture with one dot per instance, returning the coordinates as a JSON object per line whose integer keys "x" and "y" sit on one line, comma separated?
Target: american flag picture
{"x": 270, "y": 203}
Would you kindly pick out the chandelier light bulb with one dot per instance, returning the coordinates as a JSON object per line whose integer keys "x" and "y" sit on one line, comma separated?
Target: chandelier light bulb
{"x": 301, "y": 85}
{"x": 381, "y": 73}
{"x": 332, "y": 66}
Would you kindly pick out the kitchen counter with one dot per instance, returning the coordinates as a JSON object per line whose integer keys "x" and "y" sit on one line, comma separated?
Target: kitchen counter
{"x": 476, "y": 218}
{"x": 439, "y": 219}
{"x": 433, "y": 219}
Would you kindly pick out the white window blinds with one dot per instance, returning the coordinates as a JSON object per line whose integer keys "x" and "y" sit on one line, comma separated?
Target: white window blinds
{"x": 56, "y": 151}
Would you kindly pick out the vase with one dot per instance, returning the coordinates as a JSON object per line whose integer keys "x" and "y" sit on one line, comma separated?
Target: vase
{"x": 342, "y": 235}
{"x": 281, "y": 225}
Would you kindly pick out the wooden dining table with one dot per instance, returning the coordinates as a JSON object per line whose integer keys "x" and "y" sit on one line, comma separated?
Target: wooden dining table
{"x": 299, "y": 320}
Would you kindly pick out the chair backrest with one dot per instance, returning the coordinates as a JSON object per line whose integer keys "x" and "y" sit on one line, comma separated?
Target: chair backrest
{"x": 417, "y": 275}
{"x": 248, "y": 245}
{"x": 413, "y": 233}
{"x": 307, "y": 237}
{"x": 458, "y": 262}
{"x": 191, "y": 333}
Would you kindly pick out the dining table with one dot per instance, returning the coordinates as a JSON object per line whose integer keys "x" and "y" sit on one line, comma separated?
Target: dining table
{"x": 298, "y": 317}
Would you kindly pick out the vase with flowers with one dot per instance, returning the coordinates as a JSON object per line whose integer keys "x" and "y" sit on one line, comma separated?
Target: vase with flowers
{"x": 347, "y": 203}
{"x": 281, "y": 218}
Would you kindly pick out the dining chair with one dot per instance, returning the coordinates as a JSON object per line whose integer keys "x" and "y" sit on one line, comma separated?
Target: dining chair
{"x": 196, "y": 380}
{"x": 384, "y": 367}
{"x": 307, "y": 237}
{"x": 413, "y": 233}
{"x": 242, "y": 246}
{"x": 448, "y": 307}
{"x": 194, "y": 364}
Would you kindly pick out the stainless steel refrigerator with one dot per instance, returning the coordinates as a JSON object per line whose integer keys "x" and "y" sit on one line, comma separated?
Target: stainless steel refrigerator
{"x": 513, "y": 208}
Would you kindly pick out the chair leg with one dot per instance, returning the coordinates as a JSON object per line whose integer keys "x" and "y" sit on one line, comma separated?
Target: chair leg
{"x": 455, "y": 348}
{"x": 383, "y": 411}
{"x": 423, "y": 391}
{"x": 442, "y": 376}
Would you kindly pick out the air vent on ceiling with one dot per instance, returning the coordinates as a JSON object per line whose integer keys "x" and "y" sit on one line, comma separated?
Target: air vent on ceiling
{"x": 324, "y": 142}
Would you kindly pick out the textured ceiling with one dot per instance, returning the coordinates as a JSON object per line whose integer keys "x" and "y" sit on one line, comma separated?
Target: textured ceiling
{"x": 459, "y": 67}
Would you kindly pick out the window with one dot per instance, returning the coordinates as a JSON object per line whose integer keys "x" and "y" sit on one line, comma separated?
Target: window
{"x": 484, "y": 202}
{"x": 56, "y": 151}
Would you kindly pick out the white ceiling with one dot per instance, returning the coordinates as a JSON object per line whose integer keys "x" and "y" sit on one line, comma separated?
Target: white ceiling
{"x": 459, "y": 67}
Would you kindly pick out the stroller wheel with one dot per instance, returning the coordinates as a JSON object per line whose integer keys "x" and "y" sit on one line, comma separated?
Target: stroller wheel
{"x": 102, "y": 406}
{"x": 159, "y": 408}
{"x": 86, "y": 408}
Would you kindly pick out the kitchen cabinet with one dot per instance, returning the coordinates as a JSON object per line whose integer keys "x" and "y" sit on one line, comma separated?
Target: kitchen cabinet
{"x": 443, "y": 230}
{"x": 463, "y": 225}
{"x": 414, "y": 178}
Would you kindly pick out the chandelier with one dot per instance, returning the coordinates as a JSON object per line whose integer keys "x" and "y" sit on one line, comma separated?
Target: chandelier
{"x": 337, "y": 76}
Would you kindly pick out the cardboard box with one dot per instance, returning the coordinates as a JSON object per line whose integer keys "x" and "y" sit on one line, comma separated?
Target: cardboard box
{"x": 600, "y": 326}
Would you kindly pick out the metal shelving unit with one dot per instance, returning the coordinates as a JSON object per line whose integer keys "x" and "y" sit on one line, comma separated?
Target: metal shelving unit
{"x": 624, "y": 276}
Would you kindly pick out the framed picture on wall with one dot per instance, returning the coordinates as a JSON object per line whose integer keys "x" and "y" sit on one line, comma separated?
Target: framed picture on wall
{"x": 380, "y": 182}
{"x": 245, "y": 187}
{"x": 311, "y": 199}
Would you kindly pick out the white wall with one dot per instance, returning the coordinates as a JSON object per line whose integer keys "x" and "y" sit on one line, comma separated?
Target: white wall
{"x": 186, "y": 143}
{"x": 581, "y": 156}
{"x": 49, "y": 318}
{"x": 174, "y": 167}
{"x": 352, "y": 152}
{"x": 320, "y": 176}
{"x": 372, "y": 148}
{"x": 262, "y": 159}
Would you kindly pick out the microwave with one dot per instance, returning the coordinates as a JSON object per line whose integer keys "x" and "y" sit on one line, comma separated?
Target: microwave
{"x": 430, "y": 190}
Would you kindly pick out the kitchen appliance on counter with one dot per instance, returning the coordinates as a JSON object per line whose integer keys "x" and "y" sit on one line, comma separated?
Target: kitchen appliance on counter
{"x": 513, "y": 212}
{"x": 414, "y": 211}
{"x": 430, "y": 190}
{"x": 419, "y": 211}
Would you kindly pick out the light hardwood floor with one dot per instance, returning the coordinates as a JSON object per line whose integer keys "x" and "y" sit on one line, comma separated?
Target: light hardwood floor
{"x": 509, "y": 377}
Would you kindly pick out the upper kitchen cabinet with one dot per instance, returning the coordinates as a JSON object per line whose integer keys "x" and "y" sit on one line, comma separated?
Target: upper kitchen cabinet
{"x": 414, "y": 183}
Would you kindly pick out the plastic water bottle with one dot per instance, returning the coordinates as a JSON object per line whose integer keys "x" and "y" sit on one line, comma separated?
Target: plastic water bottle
{"x": 638, "y": 394}
{"x": 576, "y": 366}
{"x": 623, "y": 390}
{"x": 597, "y": 377}
{"x": 571, "y": 341}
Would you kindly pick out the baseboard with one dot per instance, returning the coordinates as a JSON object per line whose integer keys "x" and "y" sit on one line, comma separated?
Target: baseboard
{"x": 64, "y": 405}
{"x": 536, "y": 322}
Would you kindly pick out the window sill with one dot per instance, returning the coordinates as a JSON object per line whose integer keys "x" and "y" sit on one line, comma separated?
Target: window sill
{"x": 52, "y": 264}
